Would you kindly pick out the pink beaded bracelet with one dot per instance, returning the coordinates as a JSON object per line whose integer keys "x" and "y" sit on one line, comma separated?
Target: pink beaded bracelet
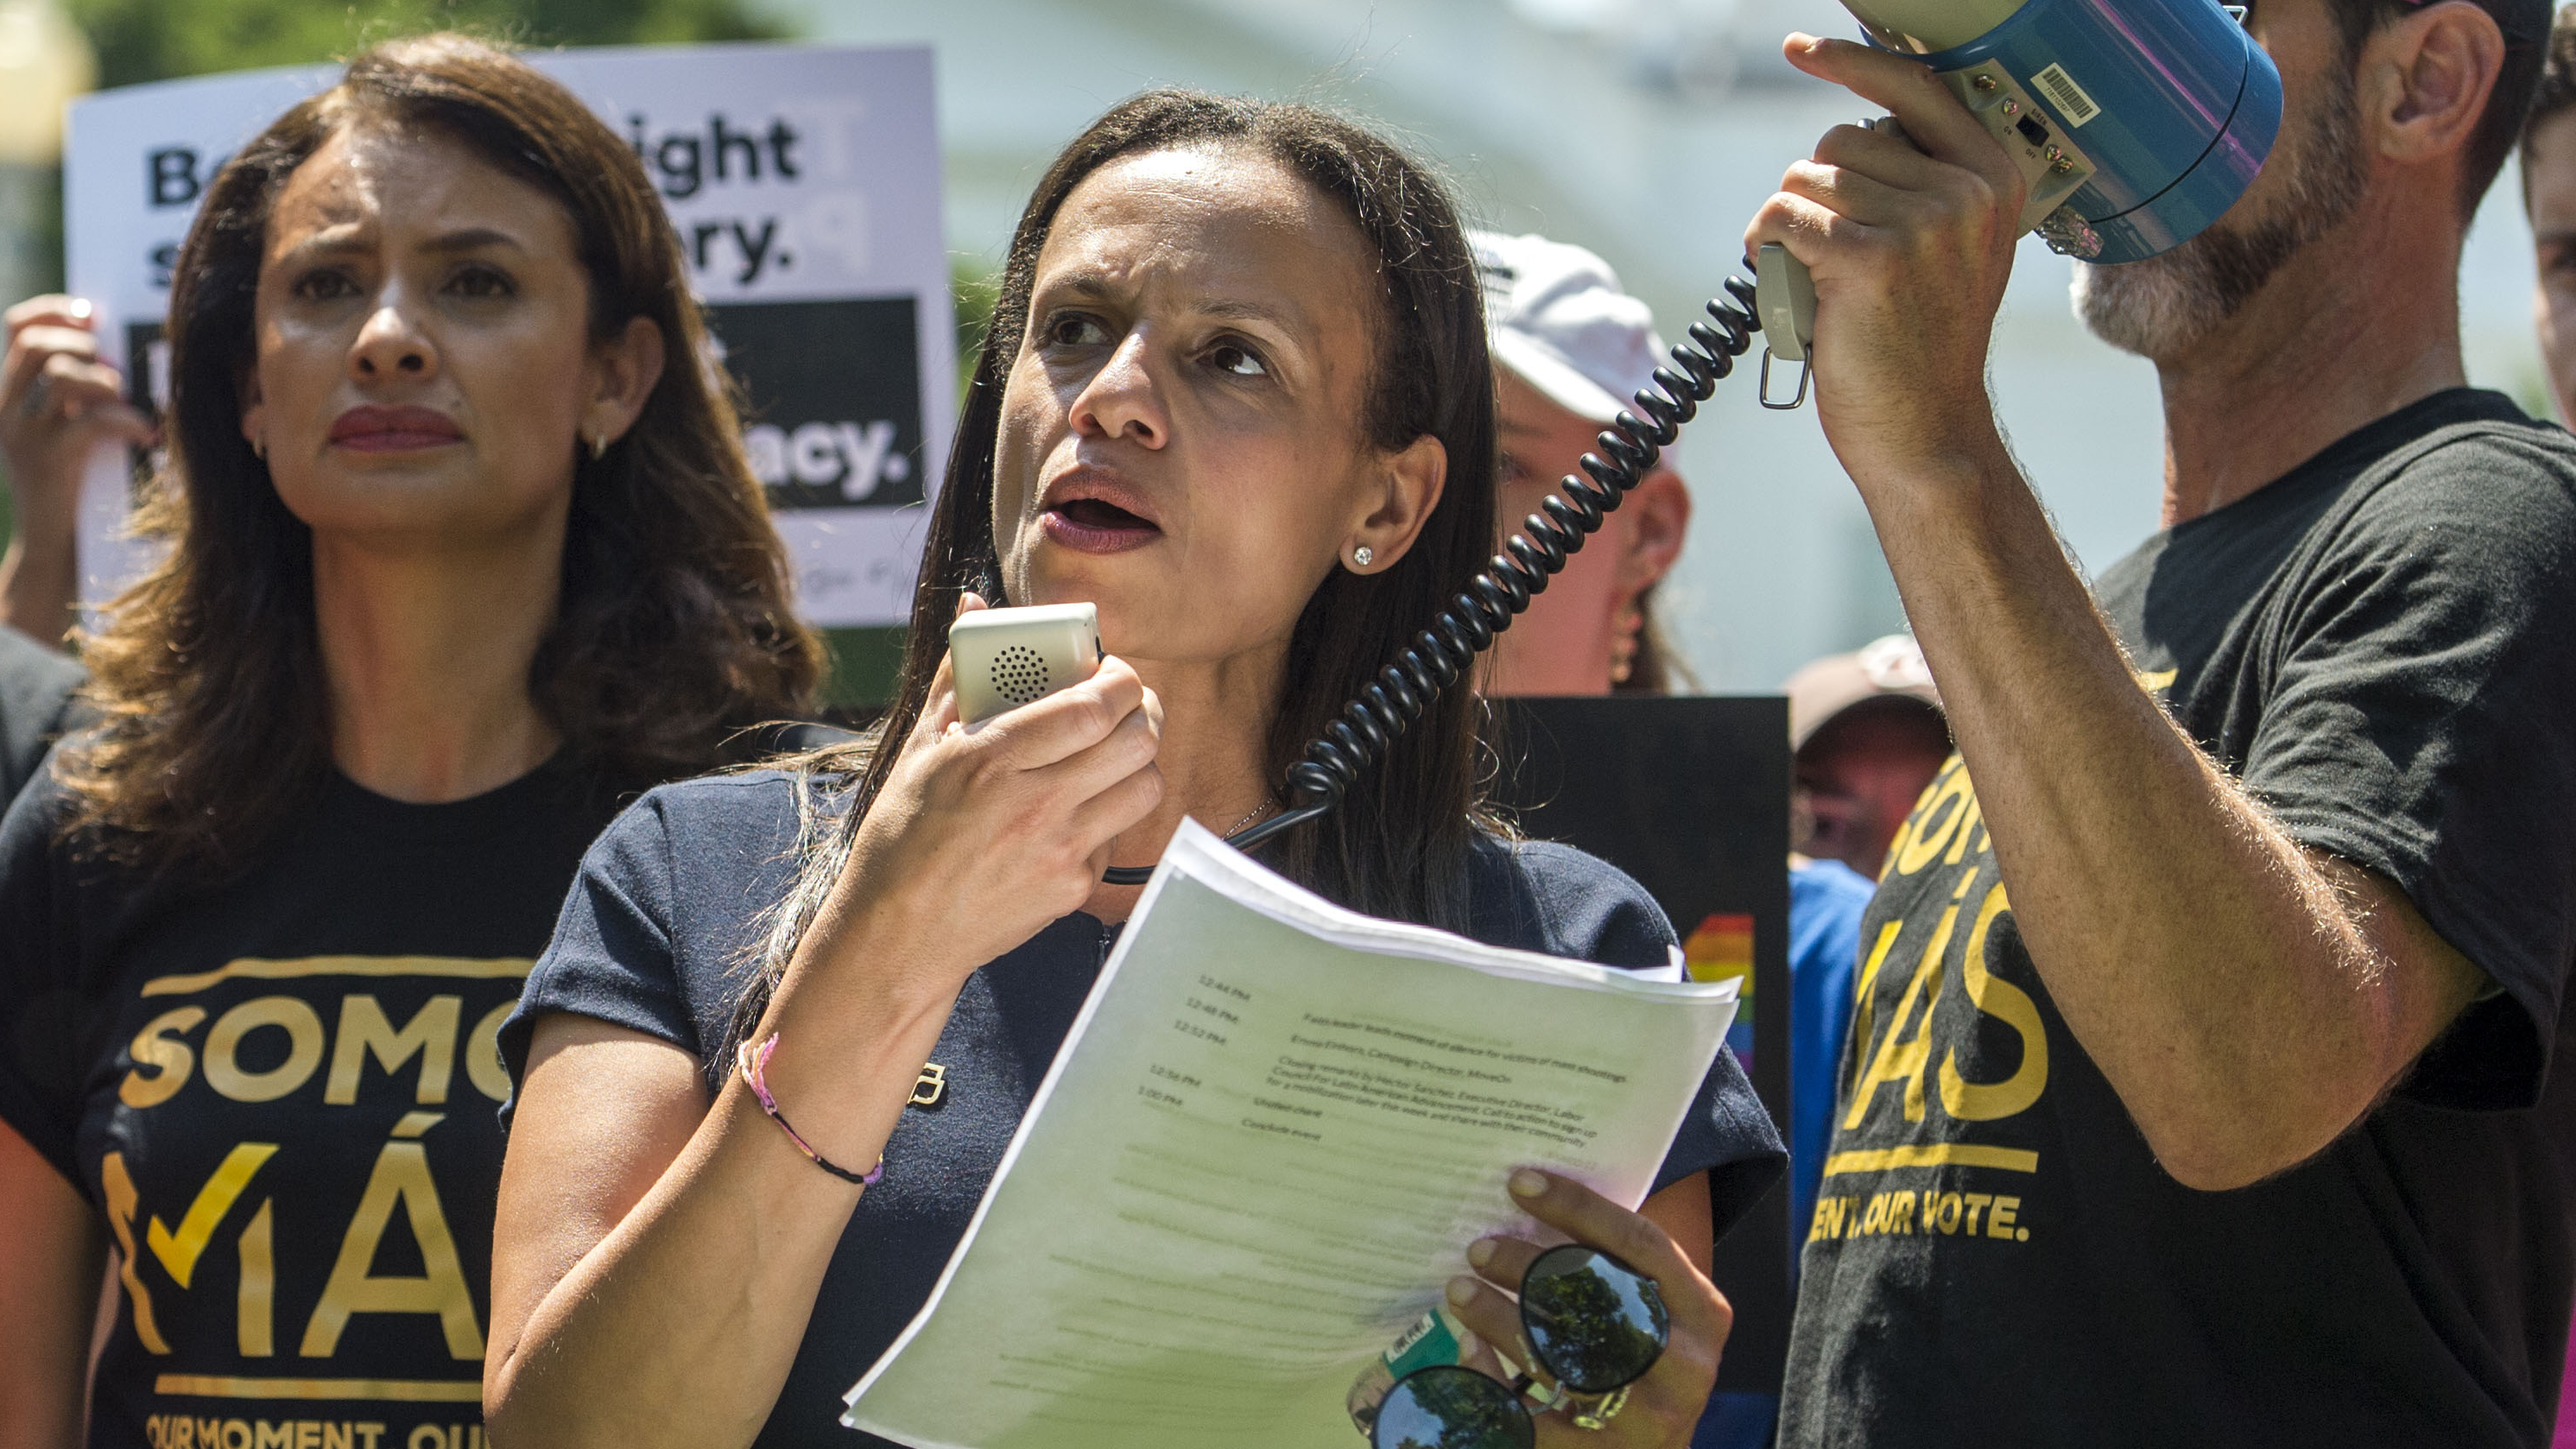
{"x": 753, "y": 1062}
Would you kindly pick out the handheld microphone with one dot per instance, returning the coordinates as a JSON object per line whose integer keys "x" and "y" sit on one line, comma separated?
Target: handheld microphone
{"x": 1004, "y": 658}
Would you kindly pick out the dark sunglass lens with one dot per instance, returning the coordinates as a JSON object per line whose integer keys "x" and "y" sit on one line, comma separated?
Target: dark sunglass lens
{"x": 1448, "y": 1407}
{"x": 1595, "y": 1322}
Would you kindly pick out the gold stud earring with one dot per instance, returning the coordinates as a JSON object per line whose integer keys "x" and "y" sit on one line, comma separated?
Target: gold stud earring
{"x": 598, "y": 447}
{"x": 1363, "y": 556}
{"x": 259, "y": 446}
{"x": 1626, "y": 635}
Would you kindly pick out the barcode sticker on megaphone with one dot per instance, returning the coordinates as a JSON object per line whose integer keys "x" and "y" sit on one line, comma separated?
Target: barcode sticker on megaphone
{"x": 2066, "y": 95}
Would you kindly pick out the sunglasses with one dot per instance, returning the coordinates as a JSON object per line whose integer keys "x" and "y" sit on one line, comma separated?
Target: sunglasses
{"x": 1592, "y": 1323}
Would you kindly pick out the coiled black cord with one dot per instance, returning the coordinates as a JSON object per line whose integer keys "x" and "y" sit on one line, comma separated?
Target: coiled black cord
{"x": 1440, "y": 655}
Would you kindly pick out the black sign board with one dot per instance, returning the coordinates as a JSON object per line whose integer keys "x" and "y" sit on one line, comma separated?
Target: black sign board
{"x": 1691, "y": 797}
{"x": 833, "y": 393}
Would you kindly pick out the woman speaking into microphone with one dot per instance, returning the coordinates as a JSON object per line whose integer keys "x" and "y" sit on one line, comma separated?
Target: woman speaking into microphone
{"x": 461, "y": 549}
{"x": 1236, "y": 394}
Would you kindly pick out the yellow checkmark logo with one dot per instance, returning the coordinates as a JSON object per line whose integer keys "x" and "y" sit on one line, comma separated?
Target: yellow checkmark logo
{"x": 178, "y": 1251}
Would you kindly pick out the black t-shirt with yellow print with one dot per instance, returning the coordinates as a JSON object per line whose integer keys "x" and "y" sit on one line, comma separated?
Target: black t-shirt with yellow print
{"x": 280, "y": 1096}
{"x": 2380, "y": 645}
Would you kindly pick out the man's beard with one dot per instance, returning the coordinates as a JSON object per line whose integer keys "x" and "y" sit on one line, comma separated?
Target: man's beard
{"x": 2165, "y": 306}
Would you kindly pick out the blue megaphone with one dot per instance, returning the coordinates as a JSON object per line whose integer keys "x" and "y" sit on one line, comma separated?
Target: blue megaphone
{"x": 2135, "y": 123}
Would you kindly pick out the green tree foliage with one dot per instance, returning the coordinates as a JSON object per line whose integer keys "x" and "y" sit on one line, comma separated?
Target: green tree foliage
{"x": 145, "y": 40}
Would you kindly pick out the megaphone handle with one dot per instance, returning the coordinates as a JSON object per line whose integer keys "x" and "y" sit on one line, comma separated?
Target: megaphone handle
{"x": 1784, "y": 297}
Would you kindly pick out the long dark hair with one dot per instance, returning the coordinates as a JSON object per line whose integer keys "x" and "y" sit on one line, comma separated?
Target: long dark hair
{"x": 673, "y": 629}
{"x": 1398, "y": 845}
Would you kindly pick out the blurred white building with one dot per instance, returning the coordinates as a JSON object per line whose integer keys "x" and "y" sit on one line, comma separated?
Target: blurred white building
{"x": 1648, "y": 130}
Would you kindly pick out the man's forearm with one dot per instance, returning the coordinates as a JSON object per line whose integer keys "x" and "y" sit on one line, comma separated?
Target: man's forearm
{"x": 2209, "y": 966}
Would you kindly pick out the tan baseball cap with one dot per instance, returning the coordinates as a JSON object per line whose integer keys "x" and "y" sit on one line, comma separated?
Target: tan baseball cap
{"x": 1885, "y": 668}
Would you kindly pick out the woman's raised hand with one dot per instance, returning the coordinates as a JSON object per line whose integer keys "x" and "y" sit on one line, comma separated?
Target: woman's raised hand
{"x": 983, "y": 836}
{"x": 57, "y": 403}
{"x": 1665, "y": 1405}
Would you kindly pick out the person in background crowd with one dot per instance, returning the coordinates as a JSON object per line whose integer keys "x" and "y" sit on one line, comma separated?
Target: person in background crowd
{"x": 57, "y": 403}
{"x": 2549, "y": 204}
{"x": 1235, "y": 393}
{"x": 2202, "y": 1086}
{"x": 1570, "y": 348}
{"x": 1869, "y": 735}
{"x": 462, "y": 546}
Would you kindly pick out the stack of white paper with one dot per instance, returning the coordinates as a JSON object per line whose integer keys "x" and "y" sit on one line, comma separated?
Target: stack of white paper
{"x": 1266, "y": 1144}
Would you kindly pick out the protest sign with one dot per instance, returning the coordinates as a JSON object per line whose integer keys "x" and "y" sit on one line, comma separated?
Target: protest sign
{"x": 804, "y": 183}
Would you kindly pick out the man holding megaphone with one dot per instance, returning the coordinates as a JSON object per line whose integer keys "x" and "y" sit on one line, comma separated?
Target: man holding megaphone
{"x": 2199, "y": 1088}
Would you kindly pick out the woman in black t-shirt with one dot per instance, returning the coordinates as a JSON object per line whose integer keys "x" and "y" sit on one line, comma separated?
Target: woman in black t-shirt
{"x": 1236, "y": 394}
{"x": 462, "y": 547}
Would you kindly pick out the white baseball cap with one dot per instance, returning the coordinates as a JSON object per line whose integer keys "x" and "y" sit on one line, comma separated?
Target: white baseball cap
{"x": 1556, "y": 317}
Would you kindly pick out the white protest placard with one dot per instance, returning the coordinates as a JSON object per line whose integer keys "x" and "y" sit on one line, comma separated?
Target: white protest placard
{"x": 804, "y": 182}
